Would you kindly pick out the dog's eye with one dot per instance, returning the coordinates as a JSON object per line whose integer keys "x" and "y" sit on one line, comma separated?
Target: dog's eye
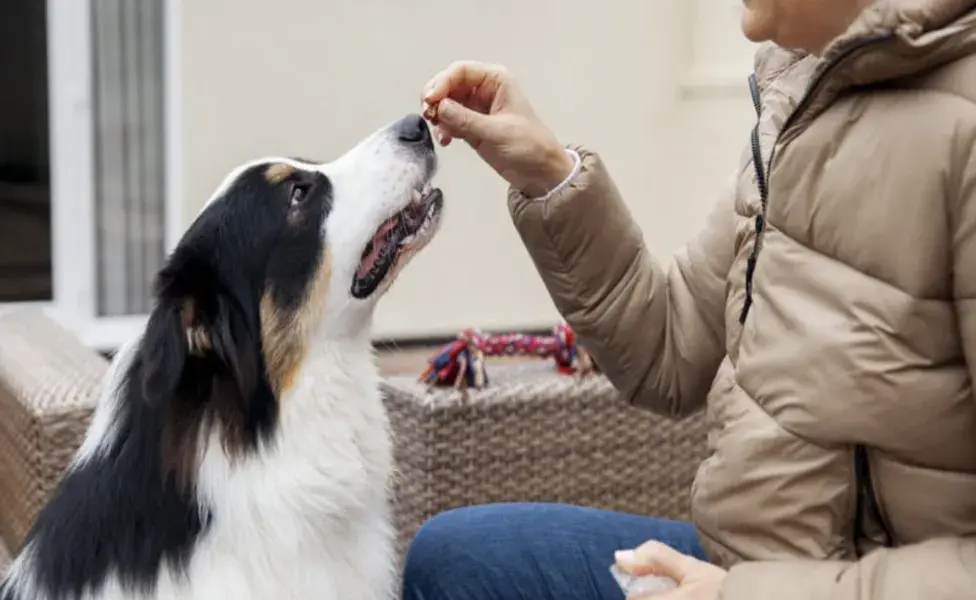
{"x": 299, "y": 192}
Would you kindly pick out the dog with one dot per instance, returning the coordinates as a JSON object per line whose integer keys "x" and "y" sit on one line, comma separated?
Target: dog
{"x": 240, "y": 448}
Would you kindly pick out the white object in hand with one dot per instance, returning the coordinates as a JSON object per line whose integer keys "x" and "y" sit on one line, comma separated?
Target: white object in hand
{"x": 637, "y": 586}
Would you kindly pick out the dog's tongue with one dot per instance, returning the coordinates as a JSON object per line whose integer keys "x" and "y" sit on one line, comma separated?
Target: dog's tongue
{"x": 380, "y": 240}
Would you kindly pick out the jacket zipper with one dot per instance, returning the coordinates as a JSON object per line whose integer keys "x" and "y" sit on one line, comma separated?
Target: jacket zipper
{"x": 762, "y": 168}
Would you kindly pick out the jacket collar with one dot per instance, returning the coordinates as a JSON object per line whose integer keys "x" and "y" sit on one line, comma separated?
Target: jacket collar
{"x": 890, "y": 39}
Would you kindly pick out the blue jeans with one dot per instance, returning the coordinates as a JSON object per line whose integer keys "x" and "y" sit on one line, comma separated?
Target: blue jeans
{"x": 530, "y": 552}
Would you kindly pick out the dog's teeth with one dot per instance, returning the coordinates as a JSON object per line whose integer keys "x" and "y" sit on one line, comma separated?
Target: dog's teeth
{"x": 416, "y": 196}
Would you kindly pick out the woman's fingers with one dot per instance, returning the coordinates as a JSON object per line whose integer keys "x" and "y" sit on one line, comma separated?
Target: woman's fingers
{"x": 460, "y": 78}
{"x": 653, "y": 558}
{"x": 459, "y": 121}
{"x": 441, "y": 135}
{"x": 472, "y": 87}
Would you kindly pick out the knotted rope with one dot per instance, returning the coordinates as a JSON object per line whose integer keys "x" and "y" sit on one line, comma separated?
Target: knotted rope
{"x": 461, "y": 363}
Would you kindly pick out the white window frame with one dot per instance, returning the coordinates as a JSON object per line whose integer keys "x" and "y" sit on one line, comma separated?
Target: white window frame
{"x": 73, "y": 239}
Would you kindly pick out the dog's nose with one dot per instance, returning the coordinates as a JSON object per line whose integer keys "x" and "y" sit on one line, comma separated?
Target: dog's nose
{"x": 412, "y": 129}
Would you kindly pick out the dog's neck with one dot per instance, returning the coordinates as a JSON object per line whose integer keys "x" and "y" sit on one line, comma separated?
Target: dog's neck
{"x": 333, "y": 405}
{"x": 334, "y": 369}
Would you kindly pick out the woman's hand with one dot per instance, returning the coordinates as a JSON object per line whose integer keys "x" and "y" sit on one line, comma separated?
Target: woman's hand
{"x": 483, "y": 105}
{"x": 696, "y": 580}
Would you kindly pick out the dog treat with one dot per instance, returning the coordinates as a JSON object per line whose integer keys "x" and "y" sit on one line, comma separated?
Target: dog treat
{"x": 639, "y": 586}
{"x": 430, "y": 112}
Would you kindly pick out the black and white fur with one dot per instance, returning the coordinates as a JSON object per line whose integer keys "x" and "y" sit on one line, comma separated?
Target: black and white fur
{"x": 240, "y": 449}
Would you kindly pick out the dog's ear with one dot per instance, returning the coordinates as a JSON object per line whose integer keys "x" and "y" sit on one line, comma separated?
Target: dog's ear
{"x": 202, "y": 365}
{"x": 164, "y": 352}
{"x": 202, "y": 354}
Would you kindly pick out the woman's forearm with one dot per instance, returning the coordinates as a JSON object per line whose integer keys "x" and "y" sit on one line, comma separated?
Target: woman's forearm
{"x": 657, "y": 334}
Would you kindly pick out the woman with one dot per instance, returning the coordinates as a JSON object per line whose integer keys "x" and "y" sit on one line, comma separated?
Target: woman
{"x": 825, "y": 318}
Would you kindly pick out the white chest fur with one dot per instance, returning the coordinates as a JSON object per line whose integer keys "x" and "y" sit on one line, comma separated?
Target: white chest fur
{"x": 307, "y": 518}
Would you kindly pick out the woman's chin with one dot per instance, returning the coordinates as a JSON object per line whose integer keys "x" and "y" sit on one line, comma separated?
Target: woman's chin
{"x": 754, "y": 26}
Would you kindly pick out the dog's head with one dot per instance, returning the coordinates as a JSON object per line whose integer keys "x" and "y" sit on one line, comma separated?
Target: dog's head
{"x": 287, "y": 253}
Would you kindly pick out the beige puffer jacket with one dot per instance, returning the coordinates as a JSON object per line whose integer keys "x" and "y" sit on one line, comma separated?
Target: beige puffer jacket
{"x": 842, "y": 414}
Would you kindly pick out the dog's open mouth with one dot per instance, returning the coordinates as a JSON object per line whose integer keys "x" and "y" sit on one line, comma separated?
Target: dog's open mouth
{"x": 397, "y": 239}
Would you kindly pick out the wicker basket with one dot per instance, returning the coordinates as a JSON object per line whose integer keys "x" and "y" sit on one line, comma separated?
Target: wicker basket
{"x": 536, "y": 435}
{"x": 49, "y": 384}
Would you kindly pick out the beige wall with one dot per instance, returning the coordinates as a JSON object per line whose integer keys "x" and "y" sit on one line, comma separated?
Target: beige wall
{"x": 305, "y": 77}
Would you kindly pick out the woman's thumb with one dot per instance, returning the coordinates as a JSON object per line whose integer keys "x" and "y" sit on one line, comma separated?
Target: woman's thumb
{"x": 461, "y": 122}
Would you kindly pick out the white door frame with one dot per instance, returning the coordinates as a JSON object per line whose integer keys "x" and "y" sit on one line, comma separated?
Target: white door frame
{"x": 72, "y": 168}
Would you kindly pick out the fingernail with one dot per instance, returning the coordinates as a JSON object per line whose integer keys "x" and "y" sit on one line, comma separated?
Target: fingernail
{"x": 625, "y": 556}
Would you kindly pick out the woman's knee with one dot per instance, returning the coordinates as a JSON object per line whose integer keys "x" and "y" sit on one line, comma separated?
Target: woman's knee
{"x": 439, "y": 540}
{"x": 449, "y": 551}
{"x": 437, "y": 535}
{"x": 502, "y": 551}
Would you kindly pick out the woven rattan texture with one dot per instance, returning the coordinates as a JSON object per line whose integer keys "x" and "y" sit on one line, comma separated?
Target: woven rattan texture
{"x": 49, "y": 384}
{"x": 536, "y": 435}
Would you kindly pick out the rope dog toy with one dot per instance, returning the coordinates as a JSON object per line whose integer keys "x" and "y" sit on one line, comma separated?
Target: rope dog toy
{"x": 461, "y": 363}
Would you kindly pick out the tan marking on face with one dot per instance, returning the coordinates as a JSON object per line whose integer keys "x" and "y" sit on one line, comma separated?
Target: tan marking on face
{"x": 285, "y": 335}
{"x": 278, "y": 172}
